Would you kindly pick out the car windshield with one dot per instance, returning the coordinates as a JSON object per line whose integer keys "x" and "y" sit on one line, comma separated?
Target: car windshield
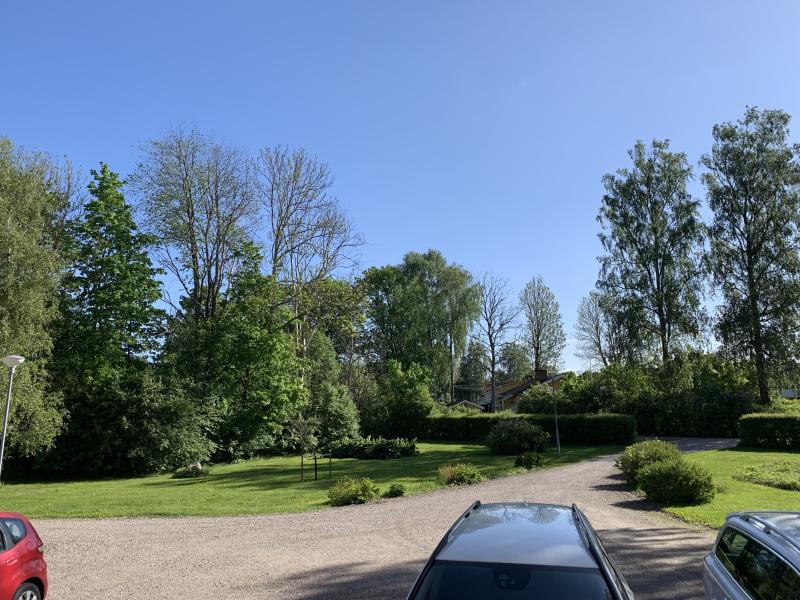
{"x": 469, "y": 581}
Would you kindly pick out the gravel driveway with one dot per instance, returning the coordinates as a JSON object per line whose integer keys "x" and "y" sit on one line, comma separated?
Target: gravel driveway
{"x": 358, "y": 552}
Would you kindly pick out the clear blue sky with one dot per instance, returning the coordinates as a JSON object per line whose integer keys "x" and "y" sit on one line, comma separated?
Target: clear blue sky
{"x": 481, "y": 129}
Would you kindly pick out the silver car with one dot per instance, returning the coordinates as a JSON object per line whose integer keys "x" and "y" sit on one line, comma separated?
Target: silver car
{"x": 756, "y": 557}
{"x": 531, "y": 551}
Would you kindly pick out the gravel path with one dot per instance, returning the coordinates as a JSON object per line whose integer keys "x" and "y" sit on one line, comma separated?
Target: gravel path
{"x": 358, "y": 552}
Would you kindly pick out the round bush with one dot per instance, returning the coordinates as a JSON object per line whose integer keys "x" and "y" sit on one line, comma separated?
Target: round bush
{"x": 395, "y": 491}
{"x": 676, "y": 482}
{"x": 529, "y": 460}
{"x": 352, "y": 491}
{"x": 637, "y": 456}
{"x": 460, "y": 474}
{"x": 515, "y": 436}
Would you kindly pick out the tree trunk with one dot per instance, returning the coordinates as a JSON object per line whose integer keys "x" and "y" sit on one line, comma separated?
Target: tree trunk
{"x": 758, "y": 339}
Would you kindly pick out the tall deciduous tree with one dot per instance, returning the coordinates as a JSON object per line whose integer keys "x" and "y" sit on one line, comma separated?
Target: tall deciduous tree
{"x": 496, "y": 319}
{"x": 653, "y": 242}
{"x": 197, "y": 197}
{"x": 752, "y": 182}
{"x": 515, "y": 363}
{"x": 420, "y": 312}
{"x": 603, "y": 334}
{"x": 544, "y": 331}
{"x": 309, "y": 235}
{"x": 29, "y": 270}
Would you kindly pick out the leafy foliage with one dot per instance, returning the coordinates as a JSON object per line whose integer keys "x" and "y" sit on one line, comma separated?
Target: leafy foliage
{"x": 529, "y": 460}
{"x": 330, "y": 404}
{"x": 770, "y": 430}
{"x": 396, "y": 490}
{"x": 575, "y": 429}
{"x": 752, "y": 181}
{"x": 29, "y": 266}
{"x": 353, "y": 491}
{"x": 637, "y": 456}
{"x": 369, "y": 447}
{"x": 653, "y": 238}
{"x": 404, "y": 402}
{"x": 460, "y": 474}
{"x": 513, "y": 436}
{"x": 676, "y": 483}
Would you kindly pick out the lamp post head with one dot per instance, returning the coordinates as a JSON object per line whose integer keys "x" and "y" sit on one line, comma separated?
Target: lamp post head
{"x": 12, "y": 361}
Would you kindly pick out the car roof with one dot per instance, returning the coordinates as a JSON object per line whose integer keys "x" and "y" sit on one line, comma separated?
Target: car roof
{"x": 781, "y": 527}
{"x": 12, "y": 515}
{"x": 519, "y": 533}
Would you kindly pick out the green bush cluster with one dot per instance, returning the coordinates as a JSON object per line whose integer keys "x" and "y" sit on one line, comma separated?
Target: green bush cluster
{"x": 369, "y": 447}
{"x": 353, "y": 491}
{"x": 781, "y": 474}
{"x": 460, "y": 474}
{"x": 529, "y": 460}
{"x": 512, "y": 436}
{"x": 396, "y": 490}
{"x": 575, "y": 429}
{"x": 659, "y": 469}
{"x": 692, "y": 394}
{"x": 770, "y": 430}
{"x": 676, "y": 482}
{"x": 637, "y": 456}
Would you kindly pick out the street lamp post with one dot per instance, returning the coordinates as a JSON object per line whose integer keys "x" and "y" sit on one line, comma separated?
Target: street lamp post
{"x": 12, "y": 361}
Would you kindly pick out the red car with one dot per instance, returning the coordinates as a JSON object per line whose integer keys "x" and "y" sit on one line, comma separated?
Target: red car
{"x": 23, "y": 572}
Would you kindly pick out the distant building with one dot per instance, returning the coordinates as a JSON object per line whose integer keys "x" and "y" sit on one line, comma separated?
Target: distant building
{"x": 510, "y": 393}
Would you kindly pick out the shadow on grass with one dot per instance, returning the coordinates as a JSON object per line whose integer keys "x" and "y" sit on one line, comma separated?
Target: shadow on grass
{"x": 660, "y": 563}
{"x": 412, "y": 469}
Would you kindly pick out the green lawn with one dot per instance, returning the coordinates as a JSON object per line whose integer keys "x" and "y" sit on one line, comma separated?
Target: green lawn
{"x": 256, "y": 486}
{"x": 733, "y": 495}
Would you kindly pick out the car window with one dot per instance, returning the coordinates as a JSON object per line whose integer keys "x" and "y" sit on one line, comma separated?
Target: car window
{"x": 480, "y": 581}
{"x": 789, "y": 585}
{"x": 759, "y": 571}
{"x": 16, "y": 528}
{"x": 730, "y": 548}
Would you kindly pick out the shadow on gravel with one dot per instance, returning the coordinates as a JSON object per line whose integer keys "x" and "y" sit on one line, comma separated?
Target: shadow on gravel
{"x": 664, "y": 563}
{"x": 355, "y": 581}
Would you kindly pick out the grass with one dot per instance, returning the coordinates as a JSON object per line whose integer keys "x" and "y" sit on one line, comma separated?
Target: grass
{"x": 735, "y": 495}
{"x": 258, "y": 486}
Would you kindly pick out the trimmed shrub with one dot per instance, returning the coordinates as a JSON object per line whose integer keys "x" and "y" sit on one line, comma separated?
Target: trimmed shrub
{"x": 676, "y": 482}
{"x": 782, "y": 474}
{"x": 637, "y": 456}
{"x": 770, "y": 430}
{"x": 378, "y": 447}
{"x": 573, "y": 429}
{"x": 529, "y": 460}
{"x": 460, "y": 474}
{"x": 512, "y": 436}
{"x": 395, "y": 491}
{"x": 352, "y": 491}
{"x": 191, "y": 471}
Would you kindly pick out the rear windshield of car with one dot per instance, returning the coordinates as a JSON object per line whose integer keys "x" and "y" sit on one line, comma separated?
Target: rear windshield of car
{"x": 470, "y": 581}
{"x": 16, "y": 528}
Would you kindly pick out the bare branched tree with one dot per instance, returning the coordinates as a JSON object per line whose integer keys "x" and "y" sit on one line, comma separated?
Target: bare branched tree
{"x": 497, "y": 317}
{"x": 309, "y": 234}
{"x": 197, "y": 197}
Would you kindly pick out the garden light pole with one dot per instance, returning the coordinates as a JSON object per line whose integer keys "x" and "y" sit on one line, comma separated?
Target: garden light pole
{"x": 12, "y": 361}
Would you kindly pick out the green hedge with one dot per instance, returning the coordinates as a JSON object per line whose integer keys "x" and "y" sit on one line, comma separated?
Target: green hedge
{"x": 574, "y": 429}
{"x": 770, "y": 430}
